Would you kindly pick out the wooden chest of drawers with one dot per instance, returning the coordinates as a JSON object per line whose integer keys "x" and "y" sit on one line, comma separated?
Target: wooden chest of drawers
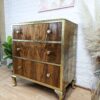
{"x": 45, "y": 52}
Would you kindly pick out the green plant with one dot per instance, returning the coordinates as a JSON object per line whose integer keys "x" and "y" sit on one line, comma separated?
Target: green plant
{"x": 7, "y": 46}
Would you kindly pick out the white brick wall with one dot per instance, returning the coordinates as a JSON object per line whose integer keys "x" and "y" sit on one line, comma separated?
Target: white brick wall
{"x": 84, "y": 64}
{"x": 27, "y": 10}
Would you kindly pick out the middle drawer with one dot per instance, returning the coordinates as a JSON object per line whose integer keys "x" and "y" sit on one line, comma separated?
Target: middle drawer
{"x": 38, "y": 51}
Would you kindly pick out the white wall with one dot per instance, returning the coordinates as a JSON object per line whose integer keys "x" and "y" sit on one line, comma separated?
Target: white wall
{"x": 97, "y": 13}
{"x": 2, "y": 22}
{"x": 17, "y": 11}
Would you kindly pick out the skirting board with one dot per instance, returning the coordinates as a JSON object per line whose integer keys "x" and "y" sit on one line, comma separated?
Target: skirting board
{"x": 83, "y": 87}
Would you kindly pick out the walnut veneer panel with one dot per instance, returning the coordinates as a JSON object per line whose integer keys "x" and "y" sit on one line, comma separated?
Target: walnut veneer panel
{"x": 45, "y": 51}
{"x": 45, "y": 73}
{"x": 38, "y": 51}
{"x": 41, "y": 31}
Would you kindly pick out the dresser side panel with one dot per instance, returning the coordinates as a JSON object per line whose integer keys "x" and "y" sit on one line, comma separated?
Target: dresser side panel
{"x": 70, "y": 43}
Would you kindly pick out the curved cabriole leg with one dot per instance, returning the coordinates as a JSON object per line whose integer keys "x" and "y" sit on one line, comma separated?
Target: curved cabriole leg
{"x": 14, "y": 80}
{"x": 60, "y": 94}
{"x": 61, "y": 97}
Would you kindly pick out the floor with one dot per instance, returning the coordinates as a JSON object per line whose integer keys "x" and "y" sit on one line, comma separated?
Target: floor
{"x": 29, "y": 91}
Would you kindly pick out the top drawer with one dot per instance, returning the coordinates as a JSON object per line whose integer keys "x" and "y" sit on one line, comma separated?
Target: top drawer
{"x": 38, "y": 32}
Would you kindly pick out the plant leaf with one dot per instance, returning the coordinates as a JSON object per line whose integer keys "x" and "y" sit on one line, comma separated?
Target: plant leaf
{"x": 7, "y": 57}
{"x": 7, "y": 52}
{"x": 5, "y": 45}
{"x": 8, "y": 48}
{"x": 9, "y": 40}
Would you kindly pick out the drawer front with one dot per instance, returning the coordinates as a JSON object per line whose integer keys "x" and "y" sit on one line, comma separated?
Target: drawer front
{"x": 41, "y": 32}
{"x": 38, "y": 51}
{"x": 44, "y": 73}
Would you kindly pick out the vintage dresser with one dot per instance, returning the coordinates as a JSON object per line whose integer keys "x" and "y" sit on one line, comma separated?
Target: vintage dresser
{"x": 44, "y": 52}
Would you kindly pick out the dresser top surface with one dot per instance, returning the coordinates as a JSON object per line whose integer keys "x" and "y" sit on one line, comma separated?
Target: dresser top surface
{"x": 43, "y": 21}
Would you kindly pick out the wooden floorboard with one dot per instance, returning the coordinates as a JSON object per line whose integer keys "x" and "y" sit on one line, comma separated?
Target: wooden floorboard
{"x": 28, "y": 91}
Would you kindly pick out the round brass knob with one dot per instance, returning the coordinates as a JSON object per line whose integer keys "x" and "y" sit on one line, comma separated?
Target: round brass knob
{"x": 48, "y": 52}
{"x": 48, "y": 31}
{"x": 48, "y": 75}
{"x": 18, "y": 49}
{"x": 17, "y": 31}
{"x": 19, "y": 67}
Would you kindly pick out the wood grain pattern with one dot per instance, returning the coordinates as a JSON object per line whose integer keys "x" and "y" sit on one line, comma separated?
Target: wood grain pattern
{"x": 37, "y": 71}
{"x": 44, "y": 47}
{"x": 38, "y": 32}
{"x": 38, "y": 51}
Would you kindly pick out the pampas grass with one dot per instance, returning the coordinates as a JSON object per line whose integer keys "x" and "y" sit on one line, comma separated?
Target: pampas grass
{"x": 93, "y": 42}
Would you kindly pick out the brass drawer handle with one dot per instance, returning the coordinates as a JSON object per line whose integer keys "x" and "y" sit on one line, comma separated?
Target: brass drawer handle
{"x": 19, "y": 67}
{"x": 48, "y": 75}
{"x": 48, "y": 52}
{"x": 48, "y": 31}
{"x": 18, "y": 49}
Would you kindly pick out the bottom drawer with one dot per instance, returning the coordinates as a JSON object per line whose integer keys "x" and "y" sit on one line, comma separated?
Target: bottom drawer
{"x": 48, "y": 74}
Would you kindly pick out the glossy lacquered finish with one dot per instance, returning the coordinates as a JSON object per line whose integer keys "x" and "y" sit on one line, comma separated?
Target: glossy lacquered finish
{"x": 45, "y": 73}
{"x": 40, "y": 31}
{"x": 38, "y": 51}
{"x": 45, "y": 53}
